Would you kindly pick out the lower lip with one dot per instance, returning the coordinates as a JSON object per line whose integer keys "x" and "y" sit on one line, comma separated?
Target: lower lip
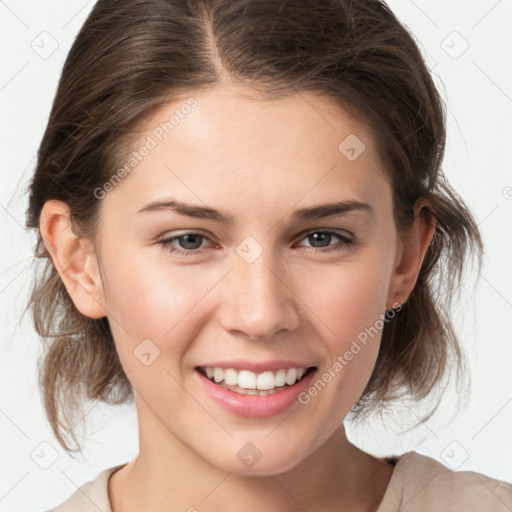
{"x": 254, "y": 405}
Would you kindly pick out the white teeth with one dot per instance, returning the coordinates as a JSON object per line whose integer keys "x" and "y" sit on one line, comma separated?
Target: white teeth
{"x": 230, "y": 377}
{"x": 266, "y": 381}
{"x": 280, "y": 379}
{"x": 243, "y": 391}
{"x": 291, "y": 376}
{"x": 247, "y": 379}
{"x": 218, "y": 374}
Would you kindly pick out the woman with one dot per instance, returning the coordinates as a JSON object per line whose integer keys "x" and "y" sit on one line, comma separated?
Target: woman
{"x": 244, "y": 220}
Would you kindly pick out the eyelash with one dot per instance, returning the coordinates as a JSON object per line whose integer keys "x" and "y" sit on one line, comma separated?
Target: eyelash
{"x": 345, "y": 242}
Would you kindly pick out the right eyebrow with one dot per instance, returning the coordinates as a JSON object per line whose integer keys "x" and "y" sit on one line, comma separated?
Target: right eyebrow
{"x": 189, "y": 210}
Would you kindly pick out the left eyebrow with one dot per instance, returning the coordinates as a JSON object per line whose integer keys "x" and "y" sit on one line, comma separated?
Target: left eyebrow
{"x": 304, "y": 214}
{"x": 332, "y": 210}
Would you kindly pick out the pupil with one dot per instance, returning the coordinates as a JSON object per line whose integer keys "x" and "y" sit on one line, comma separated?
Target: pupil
{"x": 194, "y": 245}
{"x": 316, "y": 236}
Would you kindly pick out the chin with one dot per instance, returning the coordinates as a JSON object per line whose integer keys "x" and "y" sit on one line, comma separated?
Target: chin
{"x": 250, "y": 461}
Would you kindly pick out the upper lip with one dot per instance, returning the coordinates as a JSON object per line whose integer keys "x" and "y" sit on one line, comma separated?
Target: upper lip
{"x": 257, "y": 367}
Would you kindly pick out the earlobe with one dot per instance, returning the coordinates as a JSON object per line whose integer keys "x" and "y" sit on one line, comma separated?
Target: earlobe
{"x": 412, "y": 253}
{"x": 73, "y": 258}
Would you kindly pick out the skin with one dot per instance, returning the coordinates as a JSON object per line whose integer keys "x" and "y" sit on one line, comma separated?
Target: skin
{"x": 259, "y": 161}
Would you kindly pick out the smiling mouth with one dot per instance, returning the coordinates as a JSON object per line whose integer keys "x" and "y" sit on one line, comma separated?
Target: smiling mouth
{"x": 246, "y": 382}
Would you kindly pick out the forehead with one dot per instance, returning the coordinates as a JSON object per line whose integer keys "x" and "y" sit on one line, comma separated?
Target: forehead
{"x": 233, "y": 146}
{"x": 255, "y": 120}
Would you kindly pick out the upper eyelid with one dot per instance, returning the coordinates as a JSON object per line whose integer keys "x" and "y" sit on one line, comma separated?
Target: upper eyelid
{"x": 339, "y": 232}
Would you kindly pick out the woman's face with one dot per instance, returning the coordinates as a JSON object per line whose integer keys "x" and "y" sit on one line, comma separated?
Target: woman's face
{"x": 279, "y": 283}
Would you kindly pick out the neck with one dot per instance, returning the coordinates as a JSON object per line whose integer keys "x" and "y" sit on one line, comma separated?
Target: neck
{"x": 168, "y": 476}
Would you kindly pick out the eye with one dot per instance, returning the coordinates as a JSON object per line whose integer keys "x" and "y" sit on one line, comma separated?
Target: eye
{"x": 323, "y": 239}
{"x": 191, "y": 242}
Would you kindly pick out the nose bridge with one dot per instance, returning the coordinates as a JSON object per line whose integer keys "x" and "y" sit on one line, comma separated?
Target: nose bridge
{"x": 260, "y": 302}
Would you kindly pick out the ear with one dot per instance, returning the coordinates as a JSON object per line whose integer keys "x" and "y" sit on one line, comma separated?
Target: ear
{"x": 410, "y": 254}
{"x": 74, "y": 259}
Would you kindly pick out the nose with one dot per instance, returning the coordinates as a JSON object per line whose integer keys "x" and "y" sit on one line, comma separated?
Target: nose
{"x": 257, "y": 300}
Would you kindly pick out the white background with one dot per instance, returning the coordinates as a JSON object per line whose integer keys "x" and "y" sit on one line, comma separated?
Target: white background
{"x": 477, "y": 86}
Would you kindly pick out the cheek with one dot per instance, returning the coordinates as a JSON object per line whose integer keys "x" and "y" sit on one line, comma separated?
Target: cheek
{"x": 157, "y": 302}
{"x": 346, "y": 299}
{"x": 349, "y": 300}
{"x": 350, "y": 308}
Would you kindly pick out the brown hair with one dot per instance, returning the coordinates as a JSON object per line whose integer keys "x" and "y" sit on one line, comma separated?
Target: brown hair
{"x": 131, "y": 56}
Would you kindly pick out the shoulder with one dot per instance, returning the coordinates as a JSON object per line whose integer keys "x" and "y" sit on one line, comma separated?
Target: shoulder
{"x": 91, "y": 496}
{"x": 420, "y": 483}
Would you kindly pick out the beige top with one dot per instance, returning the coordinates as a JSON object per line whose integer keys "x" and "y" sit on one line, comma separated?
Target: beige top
{"x": 418, "y": 484}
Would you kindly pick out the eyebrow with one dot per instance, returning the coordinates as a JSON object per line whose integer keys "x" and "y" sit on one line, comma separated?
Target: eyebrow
{"x": 320, "y": 211}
